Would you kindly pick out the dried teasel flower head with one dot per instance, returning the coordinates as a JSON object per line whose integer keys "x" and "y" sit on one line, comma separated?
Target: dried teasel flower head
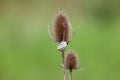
{"x": 71, "y": 61}
{"x": 61, "y": 28}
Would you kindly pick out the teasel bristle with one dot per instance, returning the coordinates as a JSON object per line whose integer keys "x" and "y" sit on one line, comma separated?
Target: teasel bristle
{"x": 61, "y": 28}
{"x": 71, "y": 61}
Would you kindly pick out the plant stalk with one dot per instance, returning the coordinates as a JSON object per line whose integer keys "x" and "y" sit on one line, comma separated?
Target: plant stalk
{"x": 63, "y": 60}
{"x": 70, "y": 74}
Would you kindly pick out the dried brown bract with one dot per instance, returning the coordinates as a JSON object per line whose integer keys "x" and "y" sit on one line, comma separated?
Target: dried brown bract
{"x": 71, "y": 61}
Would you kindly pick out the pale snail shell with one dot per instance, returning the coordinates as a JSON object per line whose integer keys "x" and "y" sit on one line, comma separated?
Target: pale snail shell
{"x": 62, "y": 46}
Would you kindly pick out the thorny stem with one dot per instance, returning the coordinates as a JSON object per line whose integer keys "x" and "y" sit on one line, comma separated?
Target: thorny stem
{"x": 70, "y": 74}
{"x": 63, "y": 59}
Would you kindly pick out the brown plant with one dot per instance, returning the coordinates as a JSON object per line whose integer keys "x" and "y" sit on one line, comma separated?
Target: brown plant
{"x": 71, "y": 61}
{"x": 61, "y": 33}
{"x": 61, "y": 28}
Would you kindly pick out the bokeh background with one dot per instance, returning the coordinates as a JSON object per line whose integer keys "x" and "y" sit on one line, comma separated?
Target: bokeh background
{"x": 28, "y": 53}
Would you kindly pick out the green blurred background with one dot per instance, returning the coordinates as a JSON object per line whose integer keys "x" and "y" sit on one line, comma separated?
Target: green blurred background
{"x": 28, "y": 53}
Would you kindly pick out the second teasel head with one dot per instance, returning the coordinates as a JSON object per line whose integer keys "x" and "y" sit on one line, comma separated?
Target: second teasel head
{"x": 71, "y": 61}
{"x": 61, "y": 28}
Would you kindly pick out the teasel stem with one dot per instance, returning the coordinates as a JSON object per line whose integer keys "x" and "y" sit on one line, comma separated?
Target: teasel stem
{"x": 70, "y": 78}
{"x": 63, "y": 56}
{"x": 63, "y": 60}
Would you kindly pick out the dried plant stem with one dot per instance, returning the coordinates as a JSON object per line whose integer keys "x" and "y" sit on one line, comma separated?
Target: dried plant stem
{"x": 63, "y": 60}
{"x": 70, "y": 75}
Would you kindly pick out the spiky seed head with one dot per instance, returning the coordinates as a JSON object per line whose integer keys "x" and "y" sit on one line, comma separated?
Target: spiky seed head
{"x": 71, "y": 61}
{"x": 61, "y": 28}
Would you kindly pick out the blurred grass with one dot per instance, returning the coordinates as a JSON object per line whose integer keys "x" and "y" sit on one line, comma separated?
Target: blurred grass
{"x": 27, "y": 52}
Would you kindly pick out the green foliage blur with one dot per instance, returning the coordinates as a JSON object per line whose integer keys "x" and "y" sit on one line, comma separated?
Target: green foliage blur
{"x": 28, "y": 53}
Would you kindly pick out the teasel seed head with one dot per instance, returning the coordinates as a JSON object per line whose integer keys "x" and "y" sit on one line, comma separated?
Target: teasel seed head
{"x": 61, "y": 28}
{"x": 71, "y": 61}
